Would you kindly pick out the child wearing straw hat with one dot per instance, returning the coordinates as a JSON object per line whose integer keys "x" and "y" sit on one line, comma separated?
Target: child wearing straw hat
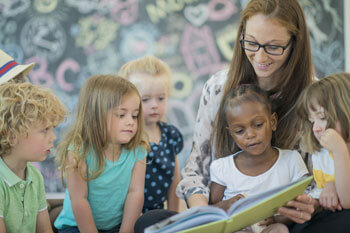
{"x": 11, "y": 71}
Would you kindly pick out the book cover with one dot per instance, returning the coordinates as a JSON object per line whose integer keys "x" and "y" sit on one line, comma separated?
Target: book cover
{"x": 242, "y": 213}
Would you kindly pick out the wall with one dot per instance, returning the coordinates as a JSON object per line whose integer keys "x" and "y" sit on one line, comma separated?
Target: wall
{"x": 70, "y": 40}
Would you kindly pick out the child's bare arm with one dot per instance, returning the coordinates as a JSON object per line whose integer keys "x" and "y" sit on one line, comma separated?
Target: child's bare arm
{"x": 173, "y": 200}
{"x": 78, "y": 193}
{"x": 2, "y": 226}
{"x": 329, "y": 197}
{"x": 43, "y": 224}
{"x": 134, "y": 200}
{"x": 334, "y": 142}
{"x": 217, "y": 193}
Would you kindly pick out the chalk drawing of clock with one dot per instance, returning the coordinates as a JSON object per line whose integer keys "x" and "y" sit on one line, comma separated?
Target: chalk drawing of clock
{"x": 43, "y": 37}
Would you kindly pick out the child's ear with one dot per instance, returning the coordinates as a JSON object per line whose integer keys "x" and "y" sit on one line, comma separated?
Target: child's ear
{"x": 273, "y": 121}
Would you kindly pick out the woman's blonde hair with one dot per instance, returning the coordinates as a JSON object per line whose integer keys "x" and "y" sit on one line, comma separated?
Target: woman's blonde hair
{"x": 296, "y": 73}
{"x": 22, "y": 105}
{"x": 220, "y": 138}
{"x": 150, "y": 65}
{"x": 88, "y": 131}
{"x": 332, "y": 93}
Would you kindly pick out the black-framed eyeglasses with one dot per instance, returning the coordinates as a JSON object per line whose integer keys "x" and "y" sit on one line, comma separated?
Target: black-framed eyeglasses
{"x": 269, "y": 49}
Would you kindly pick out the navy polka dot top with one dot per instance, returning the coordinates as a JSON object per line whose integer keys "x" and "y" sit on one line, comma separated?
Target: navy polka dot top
{"x": 160, "y": 166}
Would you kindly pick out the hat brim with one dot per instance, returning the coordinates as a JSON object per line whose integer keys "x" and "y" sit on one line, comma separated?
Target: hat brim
{"x": 25, "y": 69}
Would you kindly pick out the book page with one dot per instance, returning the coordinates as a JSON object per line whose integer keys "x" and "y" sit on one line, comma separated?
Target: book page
{"x": 245, "y": 203}
{"x": 190, "y": 218}
{"x": 244, "y": 212}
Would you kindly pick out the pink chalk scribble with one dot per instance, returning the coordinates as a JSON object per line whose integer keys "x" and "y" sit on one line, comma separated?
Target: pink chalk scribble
{"x": 199, "y": 50}
{"x": 40, "y": 75}
{"x": 226, "y": 10}
{"x": 68, "y": 64}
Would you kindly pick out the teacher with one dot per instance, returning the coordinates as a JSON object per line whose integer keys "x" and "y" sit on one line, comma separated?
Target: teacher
{"x": 272, "y": 50}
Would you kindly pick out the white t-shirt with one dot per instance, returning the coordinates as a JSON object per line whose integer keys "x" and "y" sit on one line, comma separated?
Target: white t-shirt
{"x": 323, "y": 170}
{"x": 288, "y": 168}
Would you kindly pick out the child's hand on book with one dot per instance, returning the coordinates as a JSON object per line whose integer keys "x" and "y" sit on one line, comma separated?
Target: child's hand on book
{"x": 226, "y": 204}
{"x": 329, "y": 197}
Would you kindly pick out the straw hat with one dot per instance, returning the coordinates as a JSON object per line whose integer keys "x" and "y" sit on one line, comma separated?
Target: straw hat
{"x": 9, "y": 68}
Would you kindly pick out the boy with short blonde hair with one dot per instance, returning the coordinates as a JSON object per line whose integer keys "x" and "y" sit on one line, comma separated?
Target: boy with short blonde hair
{"x": 28, "y": 114}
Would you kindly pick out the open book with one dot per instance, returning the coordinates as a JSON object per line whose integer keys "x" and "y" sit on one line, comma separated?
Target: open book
{"x": 242, "y": 213}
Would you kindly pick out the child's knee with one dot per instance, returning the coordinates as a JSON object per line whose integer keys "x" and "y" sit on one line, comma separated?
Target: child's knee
{"x": 276, "y": 228}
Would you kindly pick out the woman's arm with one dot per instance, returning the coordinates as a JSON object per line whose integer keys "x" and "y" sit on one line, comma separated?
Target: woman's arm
{"x": 197, "y": 199}
{"x": 134, "y": 199}
{"x": 173, "y": 200}
{"x": 195, "y": 175}
{"x": 43, "y": 224}
{"x": 78, "y": 193}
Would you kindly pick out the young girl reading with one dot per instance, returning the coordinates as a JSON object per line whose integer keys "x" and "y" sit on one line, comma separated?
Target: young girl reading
{"x": 103, "y": 159}
{"x": 28, "y": 114}
{"x": 248, "y": 163}
{"x": 324, "y": 109}
{"x": 151, "y": 76}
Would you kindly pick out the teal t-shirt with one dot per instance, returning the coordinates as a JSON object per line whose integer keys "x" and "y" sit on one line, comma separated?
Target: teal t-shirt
{"x": 107, "y": 193}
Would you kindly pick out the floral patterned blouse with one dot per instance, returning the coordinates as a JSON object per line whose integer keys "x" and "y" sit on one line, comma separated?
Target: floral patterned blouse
{"x": 195, "y": 175}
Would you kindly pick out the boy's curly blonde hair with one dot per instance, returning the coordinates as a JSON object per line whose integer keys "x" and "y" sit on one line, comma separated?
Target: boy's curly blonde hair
{"x": 23, "y": 105}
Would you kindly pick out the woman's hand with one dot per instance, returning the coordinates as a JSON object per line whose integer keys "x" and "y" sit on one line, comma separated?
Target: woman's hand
{"x": 300, "y": 209}
{"x": 329, "y": 197}
{"x": 226, "y": 204}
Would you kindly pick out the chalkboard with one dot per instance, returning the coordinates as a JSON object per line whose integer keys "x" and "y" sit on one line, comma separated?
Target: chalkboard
{"x": 70, "y": 40}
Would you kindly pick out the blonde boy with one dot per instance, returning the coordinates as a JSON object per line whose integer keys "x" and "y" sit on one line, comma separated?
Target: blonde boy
{"x": 28, "y": 114}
